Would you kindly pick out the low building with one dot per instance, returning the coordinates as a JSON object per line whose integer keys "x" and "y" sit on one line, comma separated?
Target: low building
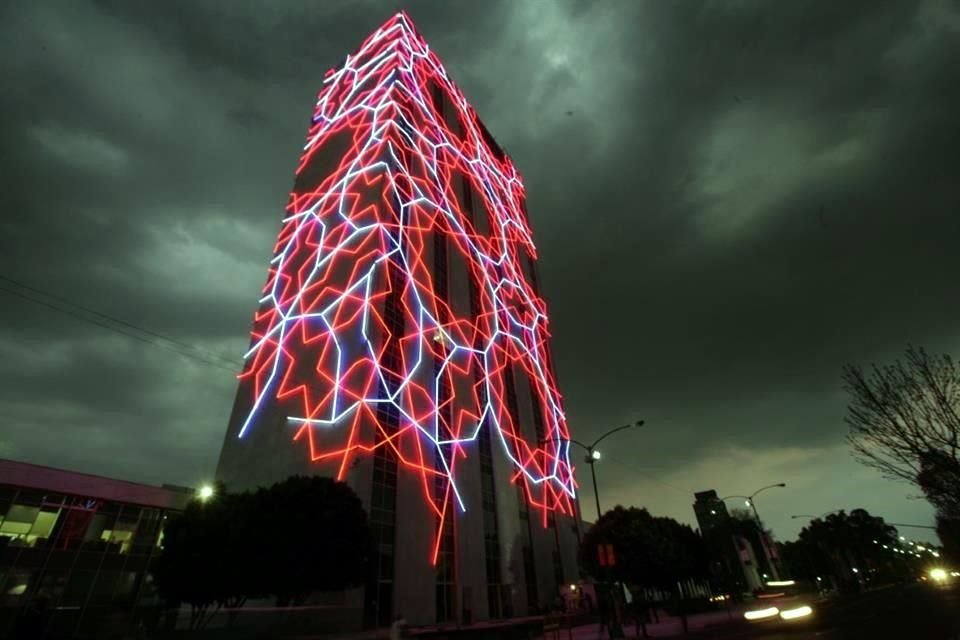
{"x": 75, "y": 546}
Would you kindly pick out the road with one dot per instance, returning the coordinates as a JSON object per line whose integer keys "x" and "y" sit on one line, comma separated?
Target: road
{"x": 914, "y": 612}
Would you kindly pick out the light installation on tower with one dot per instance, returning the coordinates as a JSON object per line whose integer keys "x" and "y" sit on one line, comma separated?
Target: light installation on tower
{"x": 359, "y": 336}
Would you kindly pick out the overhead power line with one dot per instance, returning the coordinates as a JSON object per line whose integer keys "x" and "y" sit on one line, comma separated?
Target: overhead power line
{"x": 114, "y": 324}
{"x": 116, "y": 320}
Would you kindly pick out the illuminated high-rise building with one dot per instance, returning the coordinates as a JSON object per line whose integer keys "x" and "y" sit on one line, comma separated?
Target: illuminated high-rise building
{"x": 401, "y": 345}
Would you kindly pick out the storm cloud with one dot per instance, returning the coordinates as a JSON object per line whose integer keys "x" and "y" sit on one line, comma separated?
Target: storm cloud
{"x": 731, "y": 200}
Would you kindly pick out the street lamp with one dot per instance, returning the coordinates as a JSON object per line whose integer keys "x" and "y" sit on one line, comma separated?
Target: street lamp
{"x": 593, "y": 454}
{"x": 205, "y": 492}
{"x": 750, "y": 501}
{"x": 753, "y": 505}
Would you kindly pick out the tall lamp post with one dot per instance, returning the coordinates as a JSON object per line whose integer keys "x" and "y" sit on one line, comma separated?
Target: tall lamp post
{"x": 753, "y": 505}
{"x": 591, "y": 459}
{"x": 593, "y": 454}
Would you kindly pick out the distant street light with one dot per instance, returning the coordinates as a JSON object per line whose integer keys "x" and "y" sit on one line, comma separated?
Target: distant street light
{"x": 205, "y": 492}
{"x": 593, "y": 454}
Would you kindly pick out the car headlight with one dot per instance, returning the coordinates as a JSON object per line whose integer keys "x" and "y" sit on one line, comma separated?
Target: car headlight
{"x": 761, "y": 614}
{"x": 796, "y": 612}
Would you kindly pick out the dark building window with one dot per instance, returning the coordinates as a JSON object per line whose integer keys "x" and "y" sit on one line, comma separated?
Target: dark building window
{"x": 436, "y": 96}
{"x": 467, "y": 197}
{"x": 532, "y": 269}
{"x": 537, "y": 411}
{"x": 529, "y": 566}
{"x": 523, "y": 211}
{"x": 557, "y": 556}
{"x": 378, "y": 595}
{"x": 499, "y": 599}
{"x": 446, "y": 553}
{"x": 510, "y": 391}
{"x": 522, "y": 501}
{"x": 499, "y": 596}
{"x": 557, "y": 568}
{"x": 440, "y": 267}
{"x": 491, "y": 531}
{"x": 491, "y": 143}
{"x": 530, "y": 577}
{"x": 319, "y": 166}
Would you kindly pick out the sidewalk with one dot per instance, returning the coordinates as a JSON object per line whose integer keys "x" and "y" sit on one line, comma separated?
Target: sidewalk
{"x": 668, "y": 626}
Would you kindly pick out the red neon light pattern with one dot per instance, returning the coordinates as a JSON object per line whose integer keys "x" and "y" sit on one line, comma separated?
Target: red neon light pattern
{"x": 385, "y": 171}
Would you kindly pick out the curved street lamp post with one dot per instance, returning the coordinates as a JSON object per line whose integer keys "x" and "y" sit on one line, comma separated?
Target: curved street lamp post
{"x": 593, "y": 454}
{"x": 753, "y": 505}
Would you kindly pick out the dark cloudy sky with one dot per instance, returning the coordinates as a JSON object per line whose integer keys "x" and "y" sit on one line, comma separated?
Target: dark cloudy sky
{"x": 731, "y": 199}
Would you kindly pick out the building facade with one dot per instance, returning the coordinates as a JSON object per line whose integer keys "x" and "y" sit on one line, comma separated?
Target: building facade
{"x": 75, "y": 547}
{"x": 711, "y": 512}
{"x": 401, "y": 345}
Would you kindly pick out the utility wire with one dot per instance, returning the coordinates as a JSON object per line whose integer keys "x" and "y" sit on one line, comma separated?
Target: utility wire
{"x": 119, "y": 321}
{"x": 150, "y": 338}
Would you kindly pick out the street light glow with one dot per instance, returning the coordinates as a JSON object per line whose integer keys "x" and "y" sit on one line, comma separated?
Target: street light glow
{"x": 595, "y": 454}
{"x": 205, "y": 492}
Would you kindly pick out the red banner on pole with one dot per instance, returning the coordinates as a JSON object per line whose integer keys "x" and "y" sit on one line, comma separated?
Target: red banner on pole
{"x": 606, "y": 556}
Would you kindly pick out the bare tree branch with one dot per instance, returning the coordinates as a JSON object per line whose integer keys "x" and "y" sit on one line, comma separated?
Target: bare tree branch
{"x": 904, "y": 418}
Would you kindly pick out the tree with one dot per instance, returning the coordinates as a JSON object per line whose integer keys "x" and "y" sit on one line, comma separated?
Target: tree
{"x": 804, "y": 560}
{"x": 948, "y": 529}
{"x": 204, "y": 561}
{"x": 904, "y": 414}
{"x": 310, "y": 535}
{"x": 302, "y": 535}
{"x": 650, "y": 551}
{"x": 904, "y": 420}
{"x": 939, "y": 478}
{"x": 842, "y": 542}
{"x": 744, "y": 515}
